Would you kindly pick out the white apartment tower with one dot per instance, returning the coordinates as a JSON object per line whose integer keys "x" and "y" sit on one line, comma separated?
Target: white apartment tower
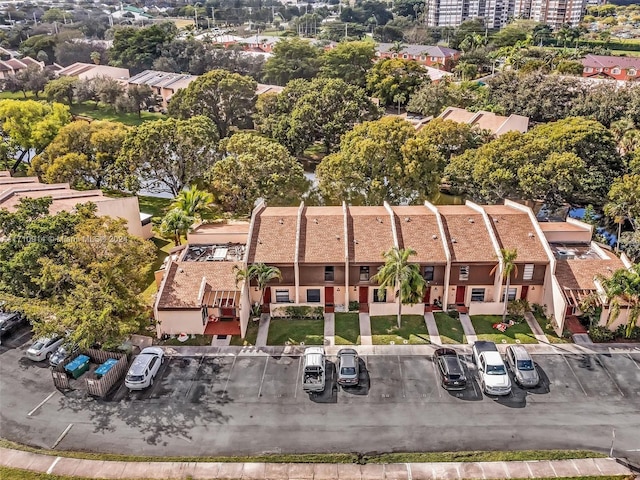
{"x": 497, "y": 13}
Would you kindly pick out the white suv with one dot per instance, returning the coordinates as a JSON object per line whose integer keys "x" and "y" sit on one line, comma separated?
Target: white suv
{"x": 144, "y": 368}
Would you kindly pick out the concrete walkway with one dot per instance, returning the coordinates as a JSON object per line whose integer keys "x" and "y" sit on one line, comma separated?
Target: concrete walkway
{"x": 432, "y": 327}
{"x": 467, "y": 326}
{"x": 319, "y": 471}
{"x": 263, "y": 330}
{"x": 329, "y": 329}
{"x": 535, "y": 328}
{"x": 365, "y": 329}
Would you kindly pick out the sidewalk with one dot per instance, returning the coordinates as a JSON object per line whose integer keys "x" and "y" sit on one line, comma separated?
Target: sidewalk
{"x": 318, "y": 471}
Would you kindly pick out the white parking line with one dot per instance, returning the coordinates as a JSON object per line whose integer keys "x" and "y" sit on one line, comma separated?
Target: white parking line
{"x": 50, "y": 469}
{"x": 62, "y": 435}
{"x": 435, "y": 370}
{"x": 295, "y": 392}
{"x": 194, "y": 376}
{"x": 264, "y": 372}
{"x": 611, "y": 377}
{"x": 634, "y": 362}
{"x": 42, "y": 403}
{"x": 401, "y": 379}
{"x": 229, "y": 376}
{"x": 576, "y": 377}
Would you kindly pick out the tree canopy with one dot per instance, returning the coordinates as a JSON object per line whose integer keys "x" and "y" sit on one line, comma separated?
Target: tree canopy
{"x": 137, "y": 48}
{"x": 321, "y": 110}
{"x": 83, "y": 154}
{"x": 380, "y": 160}
{"x": 228, "y": 99}
{"x": 292, "y": 58}
{"x": 349, "y": 61}
{"x": 167, "y": 155}
{"x": 252, "y": 167}
{"x": 394, "y": 77}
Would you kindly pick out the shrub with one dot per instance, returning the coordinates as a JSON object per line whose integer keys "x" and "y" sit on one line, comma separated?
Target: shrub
{"x": 601, "y": 334}
{"x": 517, "y": 308}
{"x": 354, "y": 306}
{"x": 538, "y": 310}
{"x": 453, "y": 314}
{"x": 304, "y": 312}
{"x": 622, "y": 330}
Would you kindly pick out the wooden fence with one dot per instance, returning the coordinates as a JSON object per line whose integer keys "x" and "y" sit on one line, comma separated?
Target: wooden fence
{"x": 98, "y": 387}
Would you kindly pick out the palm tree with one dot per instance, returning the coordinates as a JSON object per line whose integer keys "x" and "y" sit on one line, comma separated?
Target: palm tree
{"x": 259, "y": 272}
{"x": 193, "y": 202}
{"x": 509, "y": 267}
{"x": 402, "y": 276}
{"x": 623, "y": 288}
{"x": 175, "y": 224}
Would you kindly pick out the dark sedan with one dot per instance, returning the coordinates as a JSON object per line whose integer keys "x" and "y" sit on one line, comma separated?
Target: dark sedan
{"x": 9, "y": 322}
{"x": 452, "y": 375}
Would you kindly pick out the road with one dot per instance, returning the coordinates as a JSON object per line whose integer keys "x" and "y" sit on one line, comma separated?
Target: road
{"x": 253, "y": 404}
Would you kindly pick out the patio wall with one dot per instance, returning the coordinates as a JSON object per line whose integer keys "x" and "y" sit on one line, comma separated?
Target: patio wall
{"x": 486, "y": 308}
{"x": 391, "y": 308}
{"x": 175, "y": 322}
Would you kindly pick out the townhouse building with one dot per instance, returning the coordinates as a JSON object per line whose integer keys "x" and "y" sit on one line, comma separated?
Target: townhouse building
{"x": 610, "y": 67}
{"x": 328, "y": 257}
{"x": 442, "y": 58}
{"x": 12, "y": 65}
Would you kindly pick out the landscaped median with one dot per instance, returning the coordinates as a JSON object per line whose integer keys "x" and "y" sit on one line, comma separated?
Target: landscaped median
{"x": 412, "y": 331}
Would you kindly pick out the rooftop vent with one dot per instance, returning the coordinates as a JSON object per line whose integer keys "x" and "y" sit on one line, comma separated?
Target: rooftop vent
{"x": 281, "y": 221}
{"x": 453, "y": 240}
{"x": 495, "y": 219}
{"x": 355, "y": 241}
{"x": 471, "y": 220}
{"x": 407, "y": 219}
{"x": 435, "y": 237}
{"x": 531, "y": 235}
{"x": 315, "y": 220}
{"x": 379, "y": 219}
{"x": 337, "y": 237}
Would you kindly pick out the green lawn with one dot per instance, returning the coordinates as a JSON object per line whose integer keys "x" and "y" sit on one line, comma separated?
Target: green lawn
{"x": 550, "y": 332}
{"x": 88, "y": 109}
{"x": 413, "y": 330}
{"x": 250, "y": 337}
{"x": 155, "y": 206}
{"x": 449, "y": 328}
{"x": 347, "y": 329}
{"x": 295, "y": 331}
{"x": 482, "y": 324}
{"x": 19, "y": 96}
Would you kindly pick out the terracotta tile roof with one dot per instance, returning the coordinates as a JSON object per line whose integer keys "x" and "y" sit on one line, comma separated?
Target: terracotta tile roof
{"x": 466, "y": 226}
{"x": 370, "y": 234}
{"x": 609, "y": 61}
{"x": 579, "y": 274}
{"x": 514, "y": 230}
{"x": 416, "y": 227}
{"x": 274, "y": 236}
{"x": 183, "y": 281}
{"x": 322, "y": 235}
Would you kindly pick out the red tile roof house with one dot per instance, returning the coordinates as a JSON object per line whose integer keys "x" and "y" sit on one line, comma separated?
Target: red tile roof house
{"x": 606, "y": 66}
{"x": 12, "y": 66}
{"x": 432, "y": 56}
{"x": 329, "y": 255}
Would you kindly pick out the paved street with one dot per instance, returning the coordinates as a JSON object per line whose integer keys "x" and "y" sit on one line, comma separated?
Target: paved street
{"x": 249, "y": 404}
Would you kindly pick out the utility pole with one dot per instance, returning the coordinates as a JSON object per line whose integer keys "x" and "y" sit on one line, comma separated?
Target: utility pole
{"x": 346, "y": 26}
{"x": 35, "y": 21}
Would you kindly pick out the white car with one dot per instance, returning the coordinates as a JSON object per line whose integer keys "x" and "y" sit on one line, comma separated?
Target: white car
{"x": 144, "y": 368}
{"x": 494, "y": 378}
{"x": 43, "y": 347}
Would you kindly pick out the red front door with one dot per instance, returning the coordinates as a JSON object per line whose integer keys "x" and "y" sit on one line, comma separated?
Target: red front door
{"x": 524, "y": 291}
{"x": 427, "y": 295}
{"x": 266, "y": 300}
{"x": 460, "y": 295}
{"x": 328, "y": 300}
{"x": 363, "y": 297}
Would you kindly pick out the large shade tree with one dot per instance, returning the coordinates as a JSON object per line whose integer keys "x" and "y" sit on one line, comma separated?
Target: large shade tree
{"x": 402, "y": 276}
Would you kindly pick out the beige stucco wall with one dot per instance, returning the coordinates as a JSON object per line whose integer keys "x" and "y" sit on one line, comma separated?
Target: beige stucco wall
{"x": 568, "y": 236}
{"x": 486, "y": 308}
{"x": 391, "y": 308}
{"x": 623, "y": 318}
{"x": 125, "y": 207}
{"x": 175, "y": 322}
{"x": 147, "y": 231}
{"x": 210, "y": 238}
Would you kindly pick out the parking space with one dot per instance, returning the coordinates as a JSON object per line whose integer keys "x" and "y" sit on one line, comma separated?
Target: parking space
{"x": 594, "y": 378}
{"x": 556, "y": 374}
{"x": 281, "y": 379}
{"x": 385, "y": 376}
{"x": 245, "y": 379}
{"x": 621, "y": 370}
{"x": 419, "y": 378}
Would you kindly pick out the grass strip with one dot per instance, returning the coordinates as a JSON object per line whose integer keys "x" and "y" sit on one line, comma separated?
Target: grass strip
{"x": 417, "y": 457}
{"x": 347, "y": 328}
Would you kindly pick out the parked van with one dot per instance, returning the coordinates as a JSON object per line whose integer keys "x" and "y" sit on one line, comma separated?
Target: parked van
{"x": 144, "y": 368}
{"x": 313, "y": 370}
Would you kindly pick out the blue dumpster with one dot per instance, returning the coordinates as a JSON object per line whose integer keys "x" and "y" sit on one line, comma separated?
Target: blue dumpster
{"x": 102, "y": 370}
{"x": 78, "y": 366}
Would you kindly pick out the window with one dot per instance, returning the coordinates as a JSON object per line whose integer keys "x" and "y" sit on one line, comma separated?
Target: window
{"x": 313, "y": 295}
{"x": 477, "y": 294}
{"x": 428, "y": 272}
{"x": 282, "y": 296}
{"x": 434, "y": 59}
{"x": 364, "y": 274}
{"x": 464, "y": 273}
{"x": 632, "y": 72}
{"x": 328, "y": 274}
{"x": 588, "y": 69}
{"x": 528, "y": 272}
{"x": 512, "y": 294}
{"x": 395, "y": 55}
{"x": 380, "y": 295}
{"x": 422, "y": 57}
{"x": 615, "y": 71}
{"x": 405, "y": 56}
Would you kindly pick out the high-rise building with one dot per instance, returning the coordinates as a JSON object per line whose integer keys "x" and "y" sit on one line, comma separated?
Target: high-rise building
{"x": 497, "y": 13}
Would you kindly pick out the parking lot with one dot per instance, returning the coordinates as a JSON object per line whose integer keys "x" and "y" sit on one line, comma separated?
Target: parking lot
{"x": 254, "y": 403}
